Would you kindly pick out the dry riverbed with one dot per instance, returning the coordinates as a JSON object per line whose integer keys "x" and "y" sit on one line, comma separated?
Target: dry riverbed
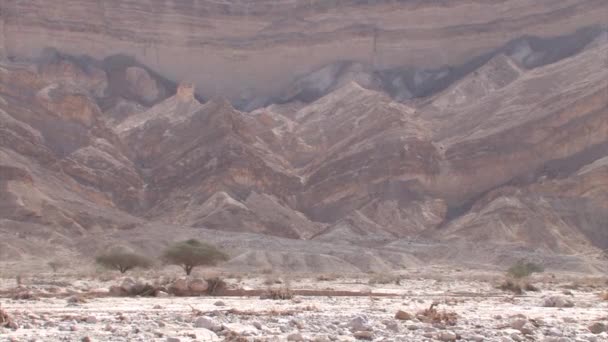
{"x": 349, "y": 309}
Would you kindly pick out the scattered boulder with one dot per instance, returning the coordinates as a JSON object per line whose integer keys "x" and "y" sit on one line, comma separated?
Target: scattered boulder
{"x": 295, "y": 337}
{"x": 240, "y": 329}
{"x": 598, "y": 328}
{"x": 364, "y": 335}
{"x": 189, "y": 287}
{"x": 447, "y": 336}
{"x": 131, "y": 288}
{"x": 207, "y": 323}
{"x": 403, "y": 316}
{"x": 198, "y": 285}
{"x": 557, "y": 302}
{"x": 76, "y": 300}
{"x": 359, "y": 323}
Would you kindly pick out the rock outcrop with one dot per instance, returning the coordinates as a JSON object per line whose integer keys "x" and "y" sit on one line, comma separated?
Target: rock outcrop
{"x": 244, "y": 50}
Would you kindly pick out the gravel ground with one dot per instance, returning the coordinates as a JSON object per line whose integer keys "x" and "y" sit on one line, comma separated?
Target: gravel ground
{"x": 482, "y": 313}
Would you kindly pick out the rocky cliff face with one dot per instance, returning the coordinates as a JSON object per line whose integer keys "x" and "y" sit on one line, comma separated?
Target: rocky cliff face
{"x": 248, "y": 51}
{"x": 503, "y": 151}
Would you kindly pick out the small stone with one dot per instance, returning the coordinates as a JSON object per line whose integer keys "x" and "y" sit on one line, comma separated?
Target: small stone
{"x": 447, "y": 336}
{"x": 219, "y": 303}
{"x": 597, "y": 328}
{"x": 391, "y": 325}
{"x": 518, "y": 323}
{"x": 207, "y": 323}
{"x": 527, "y": 329}
{"x": 198, "y": 286}
{"x": 173, "y": 339}
{"x": 403, "y": 316}
{"x": 554, "y": 332}
{"x": 162, "y": 294}
{"x": 557, "y": 302}
{"x": 322, "y": 339}
{"x": 295, "y": 337}
{"x": 358, "y": 323}
{"x": 91, "y": 320}
{"x": 364, "y": 335}
{"x": 86, "y": 339}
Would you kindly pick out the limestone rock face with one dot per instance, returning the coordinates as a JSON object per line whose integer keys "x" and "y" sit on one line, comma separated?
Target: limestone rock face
{"x": 244, "y": 50}
{"x": 374, "y": 161}
{"x": 142, "y": 85}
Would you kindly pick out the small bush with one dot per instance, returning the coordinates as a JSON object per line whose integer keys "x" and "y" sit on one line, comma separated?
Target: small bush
{"x": 327, "y": 277}
{"x": 192, "y": 253}
{"x": 531, "y": 287}
{"x": 432, "y": 315}
{"x": 280, "y": 293}
{"x": 517, "y": 286}
{"x": 56, "y": 265}
{"x": 384, "y": 279}
{"x": 523, "y": 269}
{"x": 216, "y": 285}
{"x": 122, "y": 260}
{"x": 5, "y": 319}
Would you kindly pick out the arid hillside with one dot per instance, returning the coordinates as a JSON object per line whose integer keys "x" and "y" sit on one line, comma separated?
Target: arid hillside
{"x": 307, "y": 136}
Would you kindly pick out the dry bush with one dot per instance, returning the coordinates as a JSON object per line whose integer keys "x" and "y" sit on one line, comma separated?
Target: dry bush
{"x": 5, "y": 319}
{"x": 385, "y": 279}
{"x": 280, "y": 293}
{"x": 327, "y": 277}
{"x": 272, "y": 279}
{"x": 57, "y": 264}
{"x": 231, "y": 336}
{"x": 216, "y": 285}
{"x": 523, "y": 269}
{"x": 517, "y": 286}
{"x": 432, "y": 315}
{"x": 510, "y": 285}
{"x": 531, "y": 287}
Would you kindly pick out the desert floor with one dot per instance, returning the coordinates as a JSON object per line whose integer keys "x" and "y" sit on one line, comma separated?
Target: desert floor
{"x": 469, "y": 307}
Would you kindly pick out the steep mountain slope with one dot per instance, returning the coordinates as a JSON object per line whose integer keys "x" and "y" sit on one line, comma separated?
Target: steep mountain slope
{"x": 504, "y": 155}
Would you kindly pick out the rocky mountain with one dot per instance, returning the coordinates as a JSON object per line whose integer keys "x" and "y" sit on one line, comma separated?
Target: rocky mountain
{"x": 308, "y": 135}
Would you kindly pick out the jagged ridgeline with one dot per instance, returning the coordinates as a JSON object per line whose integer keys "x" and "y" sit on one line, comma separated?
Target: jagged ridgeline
{"x": 305, "y": 135}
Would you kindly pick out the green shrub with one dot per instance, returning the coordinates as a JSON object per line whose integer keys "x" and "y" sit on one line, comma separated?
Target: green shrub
{"x": 122, "y": 260}
{"x": 523, "y": 269}
{"x": 192, "y": 253}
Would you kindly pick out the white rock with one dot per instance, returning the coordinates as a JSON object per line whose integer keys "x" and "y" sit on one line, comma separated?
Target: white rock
{"x": 207, "y": 323}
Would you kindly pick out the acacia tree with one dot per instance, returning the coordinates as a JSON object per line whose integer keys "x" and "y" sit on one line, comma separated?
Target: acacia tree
{"x": 122, "y": 260}
{"x": 523, "y": 269}
{"x": 192, "y": 253}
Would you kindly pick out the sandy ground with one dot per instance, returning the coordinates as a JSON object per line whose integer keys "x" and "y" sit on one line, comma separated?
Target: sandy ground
{"x": 483, "y": 312}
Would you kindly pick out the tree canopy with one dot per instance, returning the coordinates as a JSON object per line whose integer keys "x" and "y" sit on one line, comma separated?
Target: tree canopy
{"x": 192, "y": 253}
